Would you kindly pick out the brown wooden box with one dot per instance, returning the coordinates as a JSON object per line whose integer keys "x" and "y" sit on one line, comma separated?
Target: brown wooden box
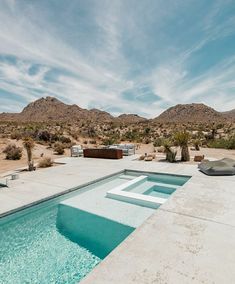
{"x": 103, "y": 153}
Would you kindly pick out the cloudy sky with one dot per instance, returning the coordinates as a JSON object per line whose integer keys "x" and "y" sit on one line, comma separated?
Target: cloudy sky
{"x": 132, "y": 56}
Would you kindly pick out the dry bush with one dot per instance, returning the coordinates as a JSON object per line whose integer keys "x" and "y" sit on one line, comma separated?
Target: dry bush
{"x": 16, "y": 135}
{"x": 64, "y": 139}
{"x": 59, "y": 148}
{"x": 44, "y": 136}
{"x": 45, "y": 162}
{"x": 68, "y": 145}
{"x": 13, "y": 152}
{"x": 158, "y": 142}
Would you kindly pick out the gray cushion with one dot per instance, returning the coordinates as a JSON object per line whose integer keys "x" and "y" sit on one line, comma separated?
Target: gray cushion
{"x": 224, "y": 166}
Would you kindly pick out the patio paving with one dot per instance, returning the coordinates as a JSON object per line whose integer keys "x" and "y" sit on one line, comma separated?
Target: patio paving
{"x": 189, "y": 239}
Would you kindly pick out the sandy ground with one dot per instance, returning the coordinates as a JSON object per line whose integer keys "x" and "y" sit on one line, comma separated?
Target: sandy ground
{"x": 8, "y": 165}
{"x": 207, "y": 152}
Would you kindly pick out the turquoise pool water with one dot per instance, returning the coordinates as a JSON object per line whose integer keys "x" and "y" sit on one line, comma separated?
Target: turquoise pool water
{"x": 32, "y": 250}
{"x": 49, "y": 243}
{"x": 37, "y": 246}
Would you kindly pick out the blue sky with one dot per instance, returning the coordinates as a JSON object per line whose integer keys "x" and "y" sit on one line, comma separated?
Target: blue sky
{"x": 125, "y": 56}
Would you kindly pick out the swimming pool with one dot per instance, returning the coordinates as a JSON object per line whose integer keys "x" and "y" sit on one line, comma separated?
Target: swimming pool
{"x": 63, "y": 239}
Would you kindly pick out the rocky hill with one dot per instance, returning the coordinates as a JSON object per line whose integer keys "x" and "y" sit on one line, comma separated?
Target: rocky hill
{"x": 183, "y": 113}
{"x": 130, "y": 118}
{"x": 229, "y": 114}
{"x": 50, "y": 109}
{"x": 101, "y": 115}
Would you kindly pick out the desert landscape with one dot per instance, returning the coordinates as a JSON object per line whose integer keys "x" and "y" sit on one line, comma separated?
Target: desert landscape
{"x": 55, "y": 127}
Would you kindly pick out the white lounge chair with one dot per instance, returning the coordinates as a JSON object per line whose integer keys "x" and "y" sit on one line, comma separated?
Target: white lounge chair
{"x": 76, "y": 151}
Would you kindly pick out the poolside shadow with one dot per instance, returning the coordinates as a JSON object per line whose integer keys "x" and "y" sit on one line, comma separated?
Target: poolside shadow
{"x": 97, "y": 234}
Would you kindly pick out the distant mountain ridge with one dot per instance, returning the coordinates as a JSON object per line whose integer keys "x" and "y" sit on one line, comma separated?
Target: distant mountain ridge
{"x": 229, "y": 114}
{"x": 131, "y": 118}
{"x": 51, "y": 109}
{"x": 182, "y": 113}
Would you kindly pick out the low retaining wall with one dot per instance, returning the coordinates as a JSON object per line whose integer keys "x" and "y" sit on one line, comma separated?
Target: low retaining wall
{"x": 103, "y": 153}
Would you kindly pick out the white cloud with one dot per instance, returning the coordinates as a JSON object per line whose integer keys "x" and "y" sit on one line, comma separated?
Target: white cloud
{"x": 100, "y": 75}
{"x": 214, "y": 87}
{"x": 24, "y": 39}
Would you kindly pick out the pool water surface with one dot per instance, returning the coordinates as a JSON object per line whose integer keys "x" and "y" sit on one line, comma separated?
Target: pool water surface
{"x": 59, "y": 242}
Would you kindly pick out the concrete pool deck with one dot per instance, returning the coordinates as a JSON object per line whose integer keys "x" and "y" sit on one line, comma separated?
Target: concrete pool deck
{"x": 189, "y": 239}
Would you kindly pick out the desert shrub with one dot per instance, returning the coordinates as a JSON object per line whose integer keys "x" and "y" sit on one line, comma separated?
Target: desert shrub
{"x": 69, "y": 145}
{"x": 44, "y": 136}
{"x": 29, "y": 132}
{"x": 13, "y": 152}
{"x": 146, "y": 131}
{"x": 171, "y": 156}
{"x": 16, "y": 135}
{"x": 45, "y": 162}
{"x": 55, "y": 138}
{"x": 131, "y": 135}
{"x": 91, "y": 132}
{"x": 107, "y": 141}
{"x": 231, "y": 143}
{"x": 85, "y": 142}
{"x": 158, "y": 142}
{"x": 92, "y": 141}
{"x": 223, "y": 143}
{"x": 64, "y": 139}
{"x": 59, "y": 148}
{"x": 110, "y": 141}
{"x": 170, "y": 153}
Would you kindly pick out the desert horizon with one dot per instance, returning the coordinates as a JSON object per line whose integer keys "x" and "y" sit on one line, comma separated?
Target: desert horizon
{"x": 55, "y": 126}
{"x": 229, "y": 114}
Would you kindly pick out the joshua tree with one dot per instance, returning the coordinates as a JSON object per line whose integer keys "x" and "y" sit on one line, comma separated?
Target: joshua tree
{"x": 170, "y": 154}
{"x": 181, "y": 139}
{"x": 29, "y": 145}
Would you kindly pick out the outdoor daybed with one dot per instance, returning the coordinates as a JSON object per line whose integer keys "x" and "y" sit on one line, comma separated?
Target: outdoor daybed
{"x": 127, "y": 149}
{"x": 221, "y": 167}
